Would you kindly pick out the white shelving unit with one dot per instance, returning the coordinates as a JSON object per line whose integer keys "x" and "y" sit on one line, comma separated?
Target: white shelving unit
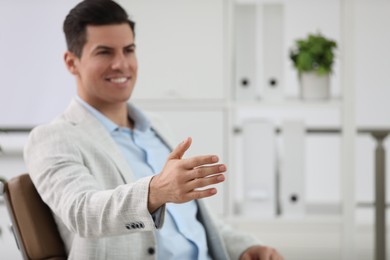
{"x": 207, "y": 107}
{"x": 334, "y": 19}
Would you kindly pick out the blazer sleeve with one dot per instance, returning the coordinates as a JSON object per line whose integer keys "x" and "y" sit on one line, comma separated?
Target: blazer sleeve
{"x": 86, "y": 207}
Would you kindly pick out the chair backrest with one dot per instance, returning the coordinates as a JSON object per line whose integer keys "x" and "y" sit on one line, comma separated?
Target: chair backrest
{"x": 32, "y": 221}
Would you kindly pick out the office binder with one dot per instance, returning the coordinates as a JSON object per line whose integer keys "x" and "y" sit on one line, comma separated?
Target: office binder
{"x": 245, "y": 50}
{"x": 292, "y": 178}
{"x": 259, "y": 36}
{"x": 273, "y": 54}
{"x": 259, "y": 175}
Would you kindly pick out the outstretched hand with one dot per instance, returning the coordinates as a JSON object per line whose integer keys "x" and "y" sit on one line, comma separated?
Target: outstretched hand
{"x": 181, "y": 179}
{"x": 261, "y": 253}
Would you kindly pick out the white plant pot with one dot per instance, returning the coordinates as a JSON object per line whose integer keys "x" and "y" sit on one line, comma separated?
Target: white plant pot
{"x": 314, "y": 86}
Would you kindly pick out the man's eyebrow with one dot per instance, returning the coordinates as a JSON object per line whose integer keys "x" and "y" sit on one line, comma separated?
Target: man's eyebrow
{"x": 103, "y": 47}
{"x": 132, "y": 45}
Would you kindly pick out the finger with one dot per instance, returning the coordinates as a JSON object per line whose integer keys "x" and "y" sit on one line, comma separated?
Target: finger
{"x": 179, "y": 151}
{"x": 203, "y": 182}
{"x": 277, "y": 256}
{"x": 197, "y": 161}
{"x": 267, "y": 255}
{"x": 204, "y": 171}
{"x": 200, "y": 194}
{"x": 245, "y": 256}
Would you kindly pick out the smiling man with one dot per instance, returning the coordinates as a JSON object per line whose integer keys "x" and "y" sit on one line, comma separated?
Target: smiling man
{"x": 106, "y": 69}
{"x": 116, "y": 188}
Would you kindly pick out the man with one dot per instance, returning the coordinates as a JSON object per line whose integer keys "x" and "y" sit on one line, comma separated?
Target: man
{"x": 116, "y": 188}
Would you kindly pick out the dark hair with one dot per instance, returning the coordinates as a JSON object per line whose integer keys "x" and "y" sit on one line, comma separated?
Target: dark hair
{"x": 91, "y": 12}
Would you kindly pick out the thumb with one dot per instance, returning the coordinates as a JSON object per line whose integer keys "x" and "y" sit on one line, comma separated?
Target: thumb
{"x": 179, "y": 151}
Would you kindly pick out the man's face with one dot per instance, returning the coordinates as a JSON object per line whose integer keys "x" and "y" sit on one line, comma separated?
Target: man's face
{"x": 107, "y": 69}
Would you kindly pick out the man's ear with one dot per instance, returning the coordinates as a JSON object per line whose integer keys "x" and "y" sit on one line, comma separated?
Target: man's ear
{"x": 71, "y": 61}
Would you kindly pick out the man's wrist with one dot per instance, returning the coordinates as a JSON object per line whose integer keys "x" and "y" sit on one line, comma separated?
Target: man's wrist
{"x": 154, "y": 200}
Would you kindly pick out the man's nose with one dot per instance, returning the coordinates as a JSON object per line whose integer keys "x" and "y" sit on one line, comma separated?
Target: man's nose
{"x": 119, "y": 62}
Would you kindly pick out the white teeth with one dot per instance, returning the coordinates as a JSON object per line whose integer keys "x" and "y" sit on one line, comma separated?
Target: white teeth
{"x": 118, "y": 80}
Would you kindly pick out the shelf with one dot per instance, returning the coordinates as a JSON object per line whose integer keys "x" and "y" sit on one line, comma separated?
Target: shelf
{"x": 284, "y": 221}
{"x": 333, "y": 103}
{"x": 181, "y": 104}
{"x": 326, "y": 114}
{"x": 253, "y": 2}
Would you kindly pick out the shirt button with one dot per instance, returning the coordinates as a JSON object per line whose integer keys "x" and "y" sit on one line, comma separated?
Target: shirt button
{"x": 151, "y": 251}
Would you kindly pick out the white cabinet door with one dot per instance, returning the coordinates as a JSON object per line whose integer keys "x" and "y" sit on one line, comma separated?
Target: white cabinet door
{"x": 372, "y": 63}
{"x": 179, "y": 48}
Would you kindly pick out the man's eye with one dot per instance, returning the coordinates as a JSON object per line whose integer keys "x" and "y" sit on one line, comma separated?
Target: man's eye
{"x": 129, "y": 50}
{"x": 103, "y": 53}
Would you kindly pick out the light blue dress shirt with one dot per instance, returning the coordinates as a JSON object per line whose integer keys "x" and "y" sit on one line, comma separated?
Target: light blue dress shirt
{"x": 182, "y": 236}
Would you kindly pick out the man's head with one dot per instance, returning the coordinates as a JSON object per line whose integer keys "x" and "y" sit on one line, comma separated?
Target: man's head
{"x": 101, "y": 53}
{"x": 91, "y": 12}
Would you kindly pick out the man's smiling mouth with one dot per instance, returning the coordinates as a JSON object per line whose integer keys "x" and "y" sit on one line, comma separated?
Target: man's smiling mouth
{"x": 119, "y": 80}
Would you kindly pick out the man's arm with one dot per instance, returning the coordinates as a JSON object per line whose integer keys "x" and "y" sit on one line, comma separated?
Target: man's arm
{"x": 83, "y": 186}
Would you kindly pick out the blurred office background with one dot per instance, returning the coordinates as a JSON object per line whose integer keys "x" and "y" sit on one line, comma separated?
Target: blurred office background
{"x": 301, "y": 171}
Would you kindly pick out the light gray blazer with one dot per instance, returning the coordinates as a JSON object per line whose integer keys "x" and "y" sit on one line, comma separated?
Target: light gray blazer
{"x": 100, "y": 210}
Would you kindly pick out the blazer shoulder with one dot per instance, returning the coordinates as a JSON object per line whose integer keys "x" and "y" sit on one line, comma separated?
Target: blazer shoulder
{"x": 59, "y": 130}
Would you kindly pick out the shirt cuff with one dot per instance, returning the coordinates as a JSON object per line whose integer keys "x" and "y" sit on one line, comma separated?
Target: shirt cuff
{"x": 158, "y": 216}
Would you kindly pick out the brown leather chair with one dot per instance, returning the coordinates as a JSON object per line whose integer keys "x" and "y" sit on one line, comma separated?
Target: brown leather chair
{"x": 32, "y": 222}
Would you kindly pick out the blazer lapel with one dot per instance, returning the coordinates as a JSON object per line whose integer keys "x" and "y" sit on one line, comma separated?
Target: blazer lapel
{"x": 77, "y": 115}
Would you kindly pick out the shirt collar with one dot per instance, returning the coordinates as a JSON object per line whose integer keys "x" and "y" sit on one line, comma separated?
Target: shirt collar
{"x": 141, "y": 122}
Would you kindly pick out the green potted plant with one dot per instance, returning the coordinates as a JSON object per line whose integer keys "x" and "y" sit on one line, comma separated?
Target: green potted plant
{"x": 313, "y": 57}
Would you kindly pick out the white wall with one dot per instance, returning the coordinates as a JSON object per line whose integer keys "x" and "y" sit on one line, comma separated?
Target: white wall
{"x": 35, "y": 84}
{"x": 372, "y": 62}
{"x": 180, "y": 49}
